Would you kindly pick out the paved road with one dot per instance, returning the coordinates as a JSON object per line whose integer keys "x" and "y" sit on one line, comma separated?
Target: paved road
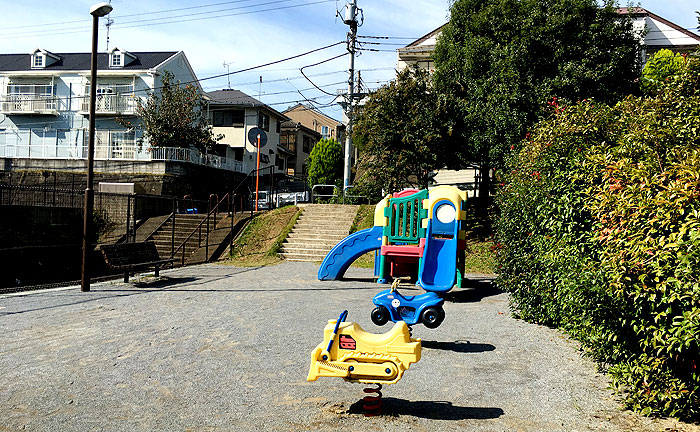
{"x": 219, "y": 348}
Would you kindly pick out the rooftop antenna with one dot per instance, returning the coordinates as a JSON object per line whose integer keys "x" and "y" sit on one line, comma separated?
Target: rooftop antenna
{"x": 260, "y": 88}
{"x": 108, "y": 24}
{"x": 228, "y": 73}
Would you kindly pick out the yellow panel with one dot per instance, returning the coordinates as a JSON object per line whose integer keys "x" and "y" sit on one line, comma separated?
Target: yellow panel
{"x": 379, "y": 218}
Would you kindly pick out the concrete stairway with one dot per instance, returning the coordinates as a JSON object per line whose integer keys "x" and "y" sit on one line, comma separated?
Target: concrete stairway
{"x": 184, "y": 225}
{"x": 318, "y": 229}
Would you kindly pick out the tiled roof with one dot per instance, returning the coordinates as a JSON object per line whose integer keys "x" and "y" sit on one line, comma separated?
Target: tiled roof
{"x": 232, "y": 97}
{"x": 81, "y": 61}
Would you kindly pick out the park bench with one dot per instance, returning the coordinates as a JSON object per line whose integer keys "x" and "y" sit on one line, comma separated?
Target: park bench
{"x": 132, "y": 256}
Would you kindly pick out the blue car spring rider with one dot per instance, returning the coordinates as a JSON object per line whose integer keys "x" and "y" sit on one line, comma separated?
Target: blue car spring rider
{"x": 392, "y": 306}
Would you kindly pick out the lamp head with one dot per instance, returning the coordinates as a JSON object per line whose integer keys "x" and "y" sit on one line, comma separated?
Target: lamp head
{"x": 100, "y": 9}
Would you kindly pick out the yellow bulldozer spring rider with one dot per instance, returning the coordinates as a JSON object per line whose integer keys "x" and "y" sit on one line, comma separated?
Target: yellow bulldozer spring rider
{"x": 349, "y": 352}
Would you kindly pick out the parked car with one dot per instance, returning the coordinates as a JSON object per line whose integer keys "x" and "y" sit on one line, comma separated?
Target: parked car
{"x": 264, "y": 201}
{"x": 287, "y": 198}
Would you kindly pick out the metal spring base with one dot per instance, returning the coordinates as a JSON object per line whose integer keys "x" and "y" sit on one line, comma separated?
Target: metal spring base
{"x": 372, "y": 404}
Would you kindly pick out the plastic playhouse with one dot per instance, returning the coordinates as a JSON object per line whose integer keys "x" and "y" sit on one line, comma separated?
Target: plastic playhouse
{"x": 416, "y": 233}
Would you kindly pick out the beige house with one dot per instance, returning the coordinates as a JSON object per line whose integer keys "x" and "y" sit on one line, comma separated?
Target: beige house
{"x": 233, "y": 114}
{"x": 296, "y": 142}
{"x": 317, "y": 121}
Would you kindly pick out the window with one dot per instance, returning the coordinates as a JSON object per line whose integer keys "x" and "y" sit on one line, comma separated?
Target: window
{"x": 238, "y": 154}
{"x": 264, "y": 121}
{"x": 278, "y": 128}
{"x": 228, "y": 118}
{"x": 264, "y": 158}
{"x": 116, "y": 60}
{"x": 324, "y": 132}
{"x": 280, "y": 163}
{"x": 307, "y": 145}
{"x": 38, "y": 60}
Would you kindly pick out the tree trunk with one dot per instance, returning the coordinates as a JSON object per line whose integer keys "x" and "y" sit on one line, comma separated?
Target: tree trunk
{"x": 484, "y": 186}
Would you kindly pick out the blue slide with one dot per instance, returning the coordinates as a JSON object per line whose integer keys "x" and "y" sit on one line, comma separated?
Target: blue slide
{"x": 437, "y": 270}
{"x": 348, "y": 250}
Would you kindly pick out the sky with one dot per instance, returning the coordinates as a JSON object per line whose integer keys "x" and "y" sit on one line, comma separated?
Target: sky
{"x": 220, "y": 37}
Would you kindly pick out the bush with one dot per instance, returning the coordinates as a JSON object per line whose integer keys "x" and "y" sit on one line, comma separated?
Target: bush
{"x": 599, "y": 234}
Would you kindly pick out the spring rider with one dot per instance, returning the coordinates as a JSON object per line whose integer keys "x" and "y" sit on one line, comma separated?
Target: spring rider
{"x": 348, "y": 352}
{"x": 422, "y": 230}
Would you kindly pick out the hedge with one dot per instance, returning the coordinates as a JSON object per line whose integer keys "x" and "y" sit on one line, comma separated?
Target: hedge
{"x": 598, "y": 233}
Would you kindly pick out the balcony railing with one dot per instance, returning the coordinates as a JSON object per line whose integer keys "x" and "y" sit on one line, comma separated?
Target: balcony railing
{"x": 28, "y": 103}
{"x": 111, "y": 104}
{"x": 122, "y": 149}
{"x": 196, "y": 157}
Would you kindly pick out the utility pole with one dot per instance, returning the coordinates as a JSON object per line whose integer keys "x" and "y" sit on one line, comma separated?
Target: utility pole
{"x": 351, "y": 12}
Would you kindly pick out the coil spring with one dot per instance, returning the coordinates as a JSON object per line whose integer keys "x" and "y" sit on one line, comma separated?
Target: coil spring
{"x": 410, "y": 331}
{"x": 372, "y": 404}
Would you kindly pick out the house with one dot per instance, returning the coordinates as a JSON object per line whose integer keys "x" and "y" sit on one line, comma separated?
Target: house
{"x": 317, "y": 121}
{"x": 233, "y": 114}
{"x": 298, "y": 140}
{"x": 420, "y": 52}
{"x": 660, "y": 34}
{"x": 44, "y": 110}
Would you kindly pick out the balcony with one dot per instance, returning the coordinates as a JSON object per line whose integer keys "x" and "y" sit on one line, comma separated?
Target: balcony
{"x": 109, "y": 145}
{"x": 111, "y": 104}
{"x": 29, "y": 99}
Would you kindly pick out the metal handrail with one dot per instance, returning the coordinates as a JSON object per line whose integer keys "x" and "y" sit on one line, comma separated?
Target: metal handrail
{"x": 324, "y": 196}
{"x": 199, "y": 228}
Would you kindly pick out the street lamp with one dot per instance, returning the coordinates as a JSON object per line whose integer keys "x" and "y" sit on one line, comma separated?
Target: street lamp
{"x": 97, "y": 11}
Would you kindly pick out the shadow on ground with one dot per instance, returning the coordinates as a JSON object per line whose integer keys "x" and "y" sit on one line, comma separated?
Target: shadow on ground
{"x": 434, "y": 410}
{"x": 475, "y": 291}
{"x": 458, "y": 346}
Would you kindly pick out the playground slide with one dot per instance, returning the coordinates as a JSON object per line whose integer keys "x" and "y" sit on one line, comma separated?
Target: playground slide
{"x": 348, "y": 250}
{"x": 439, "y": 263}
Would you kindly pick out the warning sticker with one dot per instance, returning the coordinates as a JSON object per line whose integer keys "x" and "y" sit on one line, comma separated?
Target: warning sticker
{"x": 347, "y": 342}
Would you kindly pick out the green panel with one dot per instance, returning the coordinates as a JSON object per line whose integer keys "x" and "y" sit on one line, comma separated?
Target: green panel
{"x": 405, "y": 218}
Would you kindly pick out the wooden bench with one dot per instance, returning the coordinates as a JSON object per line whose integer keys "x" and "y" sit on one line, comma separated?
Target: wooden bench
{"x": 132, "y": 256}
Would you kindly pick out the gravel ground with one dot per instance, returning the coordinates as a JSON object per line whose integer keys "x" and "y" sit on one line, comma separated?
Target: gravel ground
{"x": 214, "y": 347}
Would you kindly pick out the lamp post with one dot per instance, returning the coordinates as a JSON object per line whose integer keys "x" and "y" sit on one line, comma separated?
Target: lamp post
{"x": 97, "y": 11}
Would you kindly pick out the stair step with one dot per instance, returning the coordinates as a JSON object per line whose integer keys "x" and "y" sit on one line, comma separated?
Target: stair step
{"x": 303, "y": 257}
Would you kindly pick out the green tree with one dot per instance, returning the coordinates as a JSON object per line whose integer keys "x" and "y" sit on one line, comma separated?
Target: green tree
{"x": 661, "y": 66}
{"x": 175, "y": 118}
{"x": 498, "y": 62}
{"x": 399, "y": 135}
{"x": 325, "y": 163}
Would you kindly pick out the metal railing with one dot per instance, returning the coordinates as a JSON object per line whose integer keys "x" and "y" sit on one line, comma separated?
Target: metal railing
{"x": 211, "y": 214}
{"x": 111, "y": 104}
{"x": 118, "y": 149}
{"x": 28, "y": 103}
{"x": 316, "y": 195}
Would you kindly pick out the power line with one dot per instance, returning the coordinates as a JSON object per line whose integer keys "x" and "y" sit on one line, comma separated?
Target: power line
{"x": 316, "y": 64}
{"x": 165, "y": 20}
{"x": 199, "y": 80}
{"x": 83, "y": 21}
{"x": 162, "y": 18}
